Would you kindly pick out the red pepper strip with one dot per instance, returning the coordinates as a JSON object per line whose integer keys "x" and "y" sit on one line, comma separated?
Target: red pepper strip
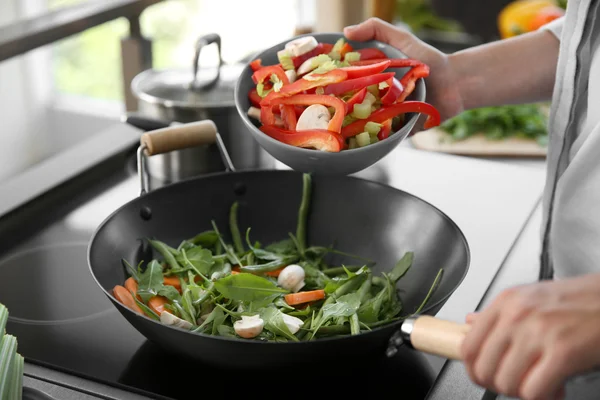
{"x": 392, "y": 93}
{"x": 387, "y": 112}
{"x": 334, "y": 76}
{"x": 256, "y": 64}
{"x": 265, "y": 72}
{"x": 288, "y": 115}
{"x": 298, "y": 110}
{"x": 409, "y": 80}
{"x": 254, "y": 97}
{"x": 335, "y": 124}
{"x": 319, "y": 139}
{"x": 365, "y": 70}
{"x": 322, "y": 48}
{"x": 394, "y": 62}
{"x": 371, "y": 53}
{"x": 267, "y": 117}
{"x": 347, "y": 47}
{"x": 357, "y": 83}
{"x": 358, "y": 97}
{"x": 385, "y": 130}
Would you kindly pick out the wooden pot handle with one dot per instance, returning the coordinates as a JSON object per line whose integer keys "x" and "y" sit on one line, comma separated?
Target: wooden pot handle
{"x": 179, "y": 137}
{"x": 436, "y": 336}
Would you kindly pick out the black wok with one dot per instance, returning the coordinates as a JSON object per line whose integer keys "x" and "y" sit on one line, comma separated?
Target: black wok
{"x": 369, "y": 219}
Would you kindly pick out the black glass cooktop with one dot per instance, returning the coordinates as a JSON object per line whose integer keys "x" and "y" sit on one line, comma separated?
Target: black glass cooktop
{"x": 63, "y": 320}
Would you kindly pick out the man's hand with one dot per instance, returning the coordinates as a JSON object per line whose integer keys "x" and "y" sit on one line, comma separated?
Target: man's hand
{"x": 442, "y": 87}
{"x": 532, "y": 338}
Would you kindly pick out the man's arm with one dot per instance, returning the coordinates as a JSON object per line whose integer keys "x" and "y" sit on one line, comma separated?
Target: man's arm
{"x": 510, "y": 71}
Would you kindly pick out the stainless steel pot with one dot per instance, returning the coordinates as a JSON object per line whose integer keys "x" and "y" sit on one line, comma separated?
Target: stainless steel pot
{"x": 195, "y": 94}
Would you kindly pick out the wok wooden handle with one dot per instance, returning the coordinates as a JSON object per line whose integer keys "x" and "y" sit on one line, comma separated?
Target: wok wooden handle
{"x": 436, "y": 336}
{"x": 179, "y": 137}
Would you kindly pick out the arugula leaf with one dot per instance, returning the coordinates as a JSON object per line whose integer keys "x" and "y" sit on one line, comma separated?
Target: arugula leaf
{"x": 247, "y": 287}
{"x": 188, "y": 304}
{"x": 167, "y": 252}
{"x": 344, "y": 306}
{"x": 234, "y": 229}
{"x": 233, "y": 258}
{"x": 219, "y": 270}
{"x": 147, "y": 310}
{"x": 199, "y": 259}
{"x": 273, "y": 318}
{"x": 169, "y": 292}
{"x": 133, "y": 272}
{"x": 226, "y": 330}
{"x": 285, "y": 246}
{"x": 402, "y": 267}
{"x": 265, "y": 254}
{"x": 205, "y": 239}
{"x": 151, "y": 280}
{"x": 314, "y": 277}
{"x": 271, "y": 265}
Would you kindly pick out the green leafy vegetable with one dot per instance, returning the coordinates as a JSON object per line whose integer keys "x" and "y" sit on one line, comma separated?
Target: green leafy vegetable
{"x": 247, "y": 287}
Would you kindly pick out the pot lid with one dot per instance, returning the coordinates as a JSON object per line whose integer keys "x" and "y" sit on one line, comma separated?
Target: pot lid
{"x": 213, "y": 87}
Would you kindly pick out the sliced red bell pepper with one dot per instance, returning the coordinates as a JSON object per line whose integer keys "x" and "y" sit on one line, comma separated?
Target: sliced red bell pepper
{"x": 267, "y": 117}
{"x": 370, "y": 53}
{"x": 256, "y": 64}
{"x": 347, "y": 47}
{"x": 409, "y": 80}
{"x": 365, "y": 70}
{"x": 335, "y": 124}
{"x": 388, "y": 112}
{"x": 334, "y": 76}
{"x": 254, "y": 97}
{"x": 298, "y": 110}
{"x": 394, "y": 62}
{"x": 392, "y": 92}
{"x": 385, "y": 130}
{"x": 356, "y": 83}
{"x": 265, "y": 73}
{"x": 319, "y": 139}
{"x": 288, "y": 115}
{"x": 322, "y": 48}
{"x": 357, "y": 98}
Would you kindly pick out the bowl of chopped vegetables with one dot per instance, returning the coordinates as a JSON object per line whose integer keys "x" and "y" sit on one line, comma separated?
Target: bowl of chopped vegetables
{"x": 321, "y": 103}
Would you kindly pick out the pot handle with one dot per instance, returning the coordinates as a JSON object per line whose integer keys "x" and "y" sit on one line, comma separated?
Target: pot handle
{"x": 178, "y": 137}
{"x": 431, "y": 335}
{"x": 200, "y": 44}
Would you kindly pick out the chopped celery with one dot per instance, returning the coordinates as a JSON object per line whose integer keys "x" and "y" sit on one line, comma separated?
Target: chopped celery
{"x": 373, "y": 89}
{"x": 348, "y": 119}
{"x": 344, "y": 64}
{"x": 285, "y": 58}
{"x": 319, "y": 60}
{"x": 383, "y": 85}
{"x": 325, "y": 67}
{"x": 331, "y": 110}
{"x": 374, "y": 139}
{"x": 369, "y": 98}
{"x": 352, "y": 56}
{"x": 361, "y": 111}
{"x": 372, "y": 127}
{"x": 15, "y": 391}
{"x": 277, "y": 83}
{"x": 8, "y": 350}
{"x": 3, "y": 319}
{"x": 260, "y": 89}
{"x": 352, "y": 144}
{"x": 363, "y": 139}
{"x": 338, "y": 45}
{"x": 335, "y": 55}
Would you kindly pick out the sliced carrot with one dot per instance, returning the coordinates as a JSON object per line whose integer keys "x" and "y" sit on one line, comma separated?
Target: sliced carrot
{"x": 157, "y": 304}
{"x": 125, "y": 297}
{"x": 304, "y": 297}
{"x": 275, "y": 273}
{"x": 132, "y": 286}
{"x": 233, "y": 272}
{"x": 173, "y": 281}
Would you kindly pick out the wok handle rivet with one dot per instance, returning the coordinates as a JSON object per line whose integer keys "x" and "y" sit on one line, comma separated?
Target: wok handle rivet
{"x": 146, "y": 213}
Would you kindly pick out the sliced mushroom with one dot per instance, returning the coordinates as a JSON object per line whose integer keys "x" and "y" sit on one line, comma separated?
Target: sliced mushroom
{"x": 315, "y": 116}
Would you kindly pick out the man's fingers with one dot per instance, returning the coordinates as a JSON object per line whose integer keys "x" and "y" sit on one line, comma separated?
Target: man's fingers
{"x": 544, "y": 380}
{"x": 471, "y": 317}
{"x": 373, "y": 28}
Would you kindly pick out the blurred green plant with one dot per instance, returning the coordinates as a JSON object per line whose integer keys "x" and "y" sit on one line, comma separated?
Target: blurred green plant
{"x": 419, "y": 15}
{"x": 89, "y": 64}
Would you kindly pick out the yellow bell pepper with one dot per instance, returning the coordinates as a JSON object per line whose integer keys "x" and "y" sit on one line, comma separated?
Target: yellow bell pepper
{"x": 521, "y": 16}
